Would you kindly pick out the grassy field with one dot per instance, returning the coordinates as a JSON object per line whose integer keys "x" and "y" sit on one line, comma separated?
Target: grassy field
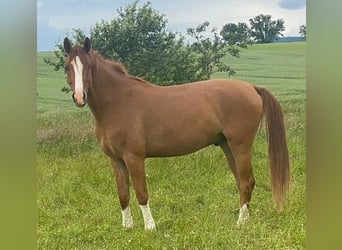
{"x": 194, "y": 198}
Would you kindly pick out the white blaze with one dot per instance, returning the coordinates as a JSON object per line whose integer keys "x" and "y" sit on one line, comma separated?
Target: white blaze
{"x": 78, "y": 69}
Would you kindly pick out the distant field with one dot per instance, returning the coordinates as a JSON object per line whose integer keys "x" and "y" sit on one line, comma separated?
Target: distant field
{"x": 194, "y": 198}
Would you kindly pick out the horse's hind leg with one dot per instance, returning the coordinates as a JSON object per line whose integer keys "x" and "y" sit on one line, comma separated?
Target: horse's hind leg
{"x": 242, "y": 156}
{"x": 122, "y": 182}
{"x": 230, "y": 159}
{"x": 240, "y": 165}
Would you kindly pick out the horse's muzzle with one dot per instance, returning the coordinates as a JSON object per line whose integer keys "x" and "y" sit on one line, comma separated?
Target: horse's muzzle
{"x": 80, "y": 101}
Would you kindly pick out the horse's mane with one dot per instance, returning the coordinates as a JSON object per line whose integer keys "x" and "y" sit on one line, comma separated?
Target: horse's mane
{"x": 97, "y": 58}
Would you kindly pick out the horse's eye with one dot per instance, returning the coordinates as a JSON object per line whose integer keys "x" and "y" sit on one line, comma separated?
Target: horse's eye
{"x": 66, "y": 67}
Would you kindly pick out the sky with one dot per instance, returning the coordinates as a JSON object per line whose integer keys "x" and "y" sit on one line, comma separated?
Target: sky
{"x": 55, "y": 19}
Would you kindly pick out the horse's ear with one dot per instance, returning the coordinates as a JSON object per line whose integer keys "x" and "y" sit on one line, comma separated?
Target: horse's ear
{"x": 67, "y": 45}
{"x": 86, "y": 45}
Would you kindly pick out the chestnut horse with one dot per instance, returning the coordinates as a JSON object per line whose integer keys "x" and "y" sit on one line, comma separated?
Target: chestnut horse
{"x": 136, "y": 119}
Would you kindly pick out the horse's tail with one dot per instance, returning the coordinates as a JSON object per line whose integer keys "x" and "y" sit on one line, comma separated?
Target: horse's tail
{"x": 277, "y": 147}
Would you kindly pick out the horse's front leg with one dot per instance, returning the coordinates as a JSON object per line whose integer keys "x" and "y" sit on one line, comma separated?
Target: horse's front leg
{"x": 136, "y": 168}
{"x": 122, "y": 182}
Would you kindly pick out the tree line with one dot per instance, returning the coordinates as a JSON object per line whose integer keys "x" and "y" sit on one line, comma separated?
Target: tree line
{"x": 139, "y": 39}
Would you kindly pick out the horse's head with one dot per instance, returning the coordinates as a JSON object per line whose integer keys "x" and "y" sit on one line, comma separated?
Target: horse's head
{"x": 78, "y": 68}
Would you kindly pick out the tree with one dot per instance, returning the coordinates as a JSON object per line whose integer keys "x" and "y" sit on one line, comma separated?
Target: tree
{"x": 210, "y": 52}
{"x": 138, "y": 38}
{"x": 236, "y": 34}
{"x": 264, "y": 29}
{"x": 302, "y": 31}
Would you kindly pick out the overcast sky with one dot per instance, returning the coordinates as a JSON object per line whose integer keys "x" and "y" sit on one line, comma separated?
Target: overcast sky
{"x": 56, "y": 18}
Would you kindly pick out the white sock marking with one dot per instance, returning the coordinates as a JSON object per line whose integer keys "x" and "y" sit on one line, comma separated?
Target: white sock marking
{"x": 78, "y": 69}
{"x": 148, "y": 219}
{"x": 127, "y": 219}
{"x": 243, "y": 215}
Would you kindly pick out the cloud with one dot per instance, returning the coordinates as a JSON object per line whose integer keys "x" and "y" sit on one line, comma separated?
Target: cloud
{"x": 292, "y": 4}
{"x": 218, "y": 12}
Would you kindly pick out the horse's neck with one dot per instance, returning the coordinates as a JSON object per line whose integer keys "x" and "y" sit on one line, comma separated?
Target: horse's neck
{"x": 107, "y": 87}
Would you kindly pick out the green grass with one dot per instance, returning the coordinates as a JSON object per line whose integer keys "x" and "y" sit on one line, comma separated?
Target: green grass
{"x": 194, "y": 199}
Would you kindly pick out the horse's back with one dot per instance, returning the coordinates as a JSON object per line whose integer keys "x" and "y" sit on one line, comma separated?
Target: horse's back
{"x": 228, "y": 98}
{"x": 228, "y": 89}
